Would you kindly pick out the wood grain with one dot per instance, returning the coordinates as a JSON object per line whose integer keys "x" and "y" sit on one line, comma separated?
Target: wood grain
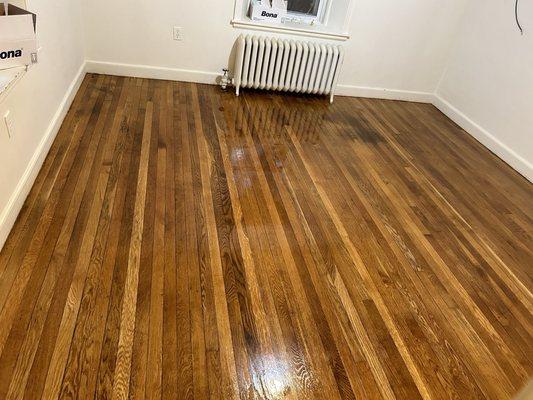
{"x": 182, "y": 243}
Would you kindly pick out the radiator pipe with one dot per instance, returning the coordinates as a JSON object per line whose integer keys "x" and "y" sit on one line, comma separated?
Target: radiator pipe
{"x": 225, "y": 80}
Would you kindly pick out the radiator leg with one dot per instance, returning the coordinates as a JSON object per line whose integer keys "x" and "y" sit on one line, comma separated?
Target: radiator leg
{"x": 331, "y": 96}
{"x": 237, "y": 91}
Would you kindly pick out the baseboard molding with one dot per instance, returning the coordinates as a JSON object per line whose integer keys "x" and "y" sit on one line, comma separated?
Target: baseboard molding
{"x": 176, "y": 74}
{"x": 518, "y": 163}
{"x": 151, "y": 72}
{"x": 383, "y": 93}
{"x": 16, "y": 201}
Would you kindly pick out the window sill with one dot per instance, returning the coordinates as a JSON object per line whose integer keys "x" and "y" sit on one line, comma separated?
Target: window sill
{"x": 311, "y": 31}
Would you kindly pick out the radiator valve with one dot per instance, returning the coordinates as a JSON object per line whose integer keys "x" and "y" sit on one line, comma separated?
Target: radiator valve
{"x": 225, "y": 81}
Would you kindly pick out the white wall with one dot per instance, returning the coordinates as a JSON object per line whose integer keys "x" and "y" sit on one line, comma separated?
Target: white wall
{"x": 37, "y": 103}
{"x": 488, "y": 86}
{"x": 400, "y": 44}
{"x": 394, "y": 44}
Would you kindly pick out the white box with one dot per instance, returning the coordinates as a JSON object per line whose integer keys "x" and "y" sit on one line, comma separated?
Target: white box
{"x": 18, "y": 42}
{"x": 262, "y": 10}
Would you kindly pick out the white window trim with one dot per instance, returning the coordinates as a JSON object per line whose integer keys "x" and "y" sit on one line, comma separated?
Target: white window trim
{"x": 319, "y": 30}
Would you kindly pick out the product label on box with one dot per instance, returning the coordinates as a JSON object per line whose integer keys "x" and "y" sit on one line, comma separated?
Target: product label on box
{"x": 15, "y": 53}
{"x": 10, "y": 54}
{"x": 263, "y": 11}
{"x": 267, "y": 14}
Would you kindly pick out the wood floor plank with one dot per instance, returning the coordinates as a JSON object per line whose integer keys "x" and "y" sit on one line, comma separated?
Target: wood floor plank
{"x": 222, "y": 327}
{"x": 388, "y": 232}
{"x": 38, "y": 321}
{"x": 289, "y": 205}
{"x": 170, "y": 334}
{"x": 34, "y": 276}
{"x": 368, "y": 282}
{"x": 80, "y": 373}
{"x": 139, "y": 366}
{"x": 308, "y": 332}
{"x": 260, "y": 227}
{"x": 42, "y": 358}
{"x": 19, "y": 237}
{"x": 444, "y": 265}
{"x": 96, "y": 228}
{"x": 404, "y": 245}
{"x": 30, "y": 244}
{"x": 183, "y": 306}
{"x": 154, "y": 360}
{"x": 127, "y": 326}
{"x": 183, "y": 243}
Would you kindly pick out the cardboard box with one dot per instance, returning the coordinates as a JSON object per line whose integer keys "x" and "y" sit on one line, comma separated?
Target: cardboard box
{"x": 265, "y": 10}
{"x": 18, "y": 41}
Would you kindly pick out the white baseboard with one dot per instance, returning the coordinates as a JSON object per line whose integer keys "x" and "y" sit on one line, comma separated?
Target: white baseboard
{"x": 383, "y": 93}
{"x": 151, "y": 72}
{"x": 518, "y": 163}
{"x": 176, "y": 74}
{"x": 16, "y": 201}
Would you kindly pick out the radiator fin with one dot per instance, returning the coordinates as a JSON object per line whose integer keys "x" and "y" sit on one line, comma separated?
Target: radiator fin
{"x": 287, "y": 65}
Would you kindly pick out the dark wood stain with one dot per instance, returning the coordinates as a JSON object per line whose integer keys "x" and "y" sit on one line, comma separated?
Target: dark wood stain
{"x": 183, "y": 243}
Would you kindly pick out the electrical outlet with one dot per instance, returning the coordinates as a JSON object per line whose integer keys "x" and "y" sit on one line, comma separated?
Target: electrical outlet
{"x": 10, "y": 124}
{"x": 177, "y": 33}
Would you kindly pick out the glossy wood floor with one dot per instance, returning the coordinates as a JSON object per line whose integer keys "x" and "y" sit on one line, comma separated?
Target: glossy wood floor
{"x": 182, "y": 243}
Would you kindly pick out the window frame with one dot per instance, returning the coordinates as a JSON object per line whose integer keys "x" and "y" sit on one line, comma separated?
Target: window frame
{"x": 321, "y": 15}
{"x": 338, "y": 31}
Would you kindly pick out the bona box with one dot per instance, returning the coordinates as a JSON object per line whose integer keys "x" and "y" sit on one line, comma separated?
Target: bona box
{"x": 264, "y": 10}
{"x": 18, "y": 42}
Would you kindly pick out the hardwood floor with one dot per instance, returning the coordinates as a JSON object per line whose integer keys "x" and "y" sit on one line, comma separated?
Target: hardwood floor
{"x": 182, "y": 243}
